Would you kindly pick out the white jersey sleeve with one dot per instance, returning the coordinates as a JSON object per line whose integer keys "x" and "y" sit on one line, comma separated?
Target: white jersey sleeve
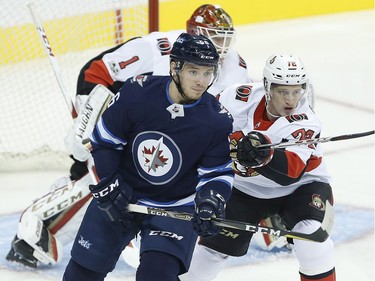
{"x": 148, "y": 54}
{"x": 232, "y": 70}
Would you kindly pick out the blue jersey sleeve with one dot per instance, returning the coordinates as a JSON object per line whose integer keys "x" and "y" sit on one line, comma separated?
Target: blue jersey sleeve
{"x": 215, "y": 171}
{"x": 109, "y": 135}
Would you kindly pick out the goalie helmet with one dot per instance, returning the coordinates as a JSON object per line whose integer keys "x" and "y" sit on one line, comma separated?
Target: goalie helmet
{"x": 195, "y": 49}
{"x": 284, "y": 70}
{"x": 214, "y": 23}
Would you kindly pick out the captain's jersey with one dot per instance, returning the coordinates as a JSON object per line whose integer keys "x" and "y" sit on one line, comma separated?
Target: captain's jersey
{"x": 165, "y": 151}
{"x": 290, "y": 167}
{"x": 149, "y": 54}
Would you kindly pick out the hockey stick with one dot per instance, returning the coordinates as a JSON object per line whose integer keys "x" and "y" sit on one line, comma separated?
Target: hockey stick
{"x": 317, "y": 140}
{"x": 320, "y": 235}
{"x": 311, "y": 141}
{"x": 56, "y": 69}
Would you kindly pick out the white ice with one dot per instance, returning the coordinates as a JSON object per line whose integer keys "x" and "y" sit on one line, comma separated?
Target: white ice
{"x": 338, "y": 52}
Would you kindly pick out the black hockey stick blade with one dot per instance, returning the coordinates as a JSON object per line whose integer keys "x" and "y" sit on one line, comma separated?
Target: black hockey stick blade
{"x": 320, "y": 235}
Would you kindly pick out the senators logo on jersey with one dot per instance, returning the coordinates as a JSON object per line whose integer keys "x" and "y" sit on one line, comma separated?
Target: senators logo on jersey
{"x": 243, "y": 92}
{"x": 164, "y": 46}
{"x": 156, "y": 157}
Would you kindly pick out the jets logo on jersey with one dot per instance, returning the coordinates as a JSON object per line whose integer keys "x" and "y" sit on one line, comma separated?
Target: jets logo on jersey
{"x": 139, "y": 79}
{"x": 243, "y": 93}
{"x": 156, "y": 157}
{"x": 164, "y": 46}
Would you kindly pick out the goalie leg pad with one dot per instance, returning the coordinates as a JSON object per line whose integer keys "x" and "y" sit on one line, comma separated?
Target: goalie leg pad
{"x": 46, "y": 248}
{"x": 53, "y": 220}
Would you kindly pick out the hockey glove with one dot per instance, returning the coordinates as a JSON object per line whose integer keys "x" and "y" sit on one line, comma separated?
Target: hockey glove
{"x": 249, "y": 155}
{"x": 113, "y": 195}
{"x": 208, "y": 204}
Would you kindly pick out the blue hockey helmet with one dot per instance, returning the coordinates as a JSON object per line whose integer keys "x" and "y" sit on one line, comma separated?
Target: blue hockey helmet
{"x": 195, "y": 49}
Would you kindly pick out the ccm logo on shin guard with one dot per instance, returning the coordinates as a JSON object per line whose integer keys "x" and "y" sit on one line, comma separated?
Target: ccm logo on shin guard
{"x": 166, "y": 234}
{"x": 105, "y": 191}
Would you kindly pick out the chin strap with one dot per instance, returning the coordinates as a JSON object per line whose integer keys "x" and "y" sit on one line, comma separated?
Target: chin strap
{"x": 179, "y": 88}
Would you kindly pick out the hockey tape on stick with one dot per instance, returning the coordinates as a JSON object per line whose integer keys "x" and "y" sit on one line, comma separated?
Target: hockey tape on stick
{"x": 320, "y": 235}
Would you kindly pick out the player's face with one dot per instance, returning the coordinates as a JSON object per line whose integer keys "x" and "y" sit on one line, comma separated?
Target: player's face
{"x": 195, "y": 79}
{"x": 284, "y": 99}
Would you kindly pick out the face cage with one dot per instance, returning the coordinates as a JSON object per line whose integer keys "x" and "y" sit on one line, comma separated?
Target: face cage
{"x": 222, "y": 39}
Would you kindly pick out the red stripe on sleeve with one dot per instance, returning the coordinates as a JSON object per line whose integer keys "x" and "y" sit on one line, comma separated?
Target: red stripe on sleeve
{"x": 97, "y": 73}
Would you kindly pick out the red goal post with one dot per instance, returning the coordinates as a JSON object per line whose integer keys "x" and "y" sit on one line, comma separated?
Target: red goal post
{"x": 33, "y": 115}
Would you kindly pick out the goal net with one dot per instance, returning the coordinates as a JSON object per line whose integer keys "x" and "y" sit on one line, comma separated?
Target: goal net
{"x": 33, "y": 115}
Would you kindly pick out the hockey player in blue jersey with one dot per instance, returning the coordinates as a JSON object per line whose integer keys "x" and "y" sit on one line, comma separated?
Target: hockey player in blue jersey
{"x": 162, "y": 142}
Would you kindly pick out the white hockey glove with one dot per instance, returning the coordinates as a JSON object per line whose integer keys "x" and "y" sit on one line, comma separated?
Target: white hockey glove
{"x": 85, "y": 122}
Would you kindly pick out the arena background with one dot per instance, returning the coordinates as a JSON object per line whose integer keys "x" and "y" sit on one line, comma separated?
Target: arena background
{"x": 173, "y": 14}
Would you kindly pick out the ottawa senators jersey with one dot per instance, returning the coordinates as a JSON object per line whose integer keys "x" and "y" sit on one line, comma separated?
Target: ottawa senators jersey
{"x": 149, "y": 55}
{"x": 290, "y": 167}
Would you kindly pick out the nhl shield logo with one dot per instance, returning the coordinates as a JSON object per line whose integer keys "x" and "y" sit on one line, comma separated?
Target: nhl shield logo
{"x": 156, "y": 157}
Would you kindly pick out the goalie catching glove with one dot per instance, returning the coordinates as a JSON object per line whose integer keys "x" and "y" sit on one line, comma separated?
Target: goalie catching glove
{"x": 208, "y": 204}
{"x": 113, "y": 195}
{"x": 249, "y": 155}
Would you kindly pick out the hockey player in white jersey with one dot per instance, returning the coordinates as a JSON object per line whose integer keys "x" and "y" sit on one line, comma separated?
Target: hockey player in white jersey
{"x": 292, "y": 182}
{"x": 59, "y": 212}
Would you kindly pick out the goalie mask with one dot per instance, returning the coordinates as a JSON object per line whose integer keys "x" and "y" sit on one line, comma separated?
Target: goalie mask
{"x": 214, "y": 23}
{"x": 284, "y": 70}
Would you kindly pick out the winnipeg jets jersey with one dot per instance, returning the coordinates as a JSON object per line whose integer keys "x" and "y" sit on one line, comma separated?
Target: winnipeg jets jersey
{"x": 246, "y": 103}
{"x": 149, "y": 54}
{"x": 165, "y": 151}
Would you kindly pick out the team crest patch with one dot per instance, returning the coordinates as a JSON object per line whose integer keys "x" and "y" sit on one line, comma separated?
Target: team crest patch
{"x": 296, "y": 117}
{"x": 243, "y": 92}
{"x": 156, "y": 157}
{"x": 139, "y": 79}
{"x": 317, "y": 202}
{"x": 164, "y": 46}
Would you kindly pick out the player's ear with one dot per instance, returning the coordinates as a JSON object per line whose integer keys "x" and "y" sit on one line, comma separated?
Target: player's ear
{"x": 173, "y": 67}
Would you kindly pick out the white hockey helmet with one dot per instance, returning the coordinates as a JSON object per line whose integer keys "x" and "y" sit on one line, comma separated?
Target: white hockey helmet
{"x": 284, "y": 70}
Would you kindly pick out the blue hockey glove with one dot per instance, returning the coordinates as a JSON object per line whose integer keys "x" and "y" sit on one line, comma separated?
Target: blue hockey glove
{"x": 113, "y": 195}
{"x": 208, "y": 204}
{"x": 249, "y": 155}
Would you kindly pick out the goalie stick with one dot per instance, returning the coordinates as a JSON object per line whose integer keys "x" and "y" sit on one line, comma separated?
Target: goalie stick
{"x": 56, "y": 69}
{"x": 320, "y": 235}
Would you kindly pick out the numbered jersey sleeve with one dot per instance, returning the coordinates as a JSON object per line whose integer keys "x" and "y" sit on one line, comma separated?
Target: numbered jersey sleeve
{"x": 148, "y": 54}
